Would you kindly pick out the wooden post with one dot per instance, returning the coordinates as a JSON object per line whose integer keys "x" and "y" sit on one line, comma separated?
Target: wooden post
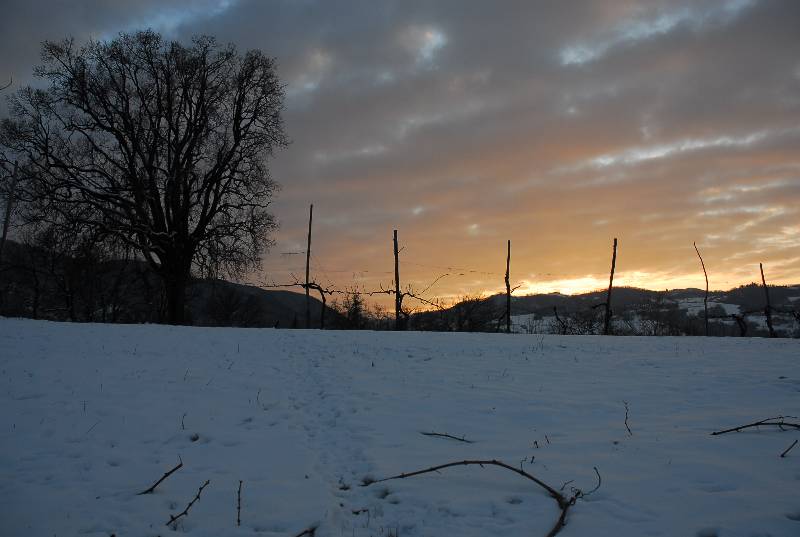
{"x": 9, "y": 207}
{"x": 607, "y": 321}
{"x": 308, "y": 262}
{"x": 768, "y": 307}
{"x": 397, "y": 297}
{"x": 508, "y": 290}
{"x": 322, "y": 311}
{"x": 705, "y": 299}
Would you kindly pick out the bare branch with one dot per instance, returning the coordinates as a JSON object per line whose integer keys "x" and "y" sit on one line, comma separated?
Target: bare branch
{"x": 564, "y": 502}
{"x": 788, "y": 449}
{"x": 163, "y": 477}
{"x": 777, "y": 421}
{"x": 445, "y": 435}
{"x": 185, "y": 512}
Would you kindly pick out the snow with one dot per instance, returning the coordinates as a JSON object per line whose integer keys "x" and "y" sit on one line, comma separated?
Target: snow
{"x": 694, "y": 306}
{"x": 91, "y": 415}
{"x": 532, "y": 323}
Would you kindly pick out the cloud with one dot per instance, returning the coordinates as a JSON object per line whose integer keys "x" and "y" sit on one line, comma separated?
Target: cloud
{"x": 536, "y": 121}
{"x": 649, "y": 26}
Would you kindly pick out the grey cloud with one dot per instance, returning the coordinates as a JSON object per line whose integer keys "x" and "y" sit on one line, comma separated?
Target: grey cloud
{"x": 467, "y": 109}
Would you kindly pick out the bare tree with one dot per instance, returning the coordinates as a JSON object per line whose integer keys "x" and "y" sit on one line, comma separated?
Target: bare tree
{"x": 157, "y": 145}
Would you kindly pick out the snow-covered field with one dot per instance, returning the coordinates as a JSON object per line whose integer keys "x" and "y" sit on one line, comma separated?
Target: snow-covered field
{"x": 90, "y": 415}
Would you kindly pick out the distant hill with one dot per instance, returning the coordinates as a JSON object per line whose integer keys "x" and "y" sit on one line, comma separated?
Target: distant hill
{"x": 44, "y": 284}
{"x": 636, "y": 312}
{"x": 40, "y": 284}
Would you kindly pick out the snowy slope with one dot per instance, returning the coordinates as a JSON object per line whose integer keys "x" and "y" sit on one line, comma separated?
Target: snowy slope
{"x": 92, "y": 414}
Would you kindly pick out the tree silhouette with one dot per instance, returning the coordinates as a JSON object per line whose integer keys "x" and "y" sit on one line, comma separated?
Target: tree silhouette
{"x": 157, "y": 145}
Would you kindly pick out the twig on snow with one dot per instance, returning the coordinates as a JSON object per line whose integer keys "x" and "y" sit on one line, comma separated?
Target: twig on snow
{"x": 777, "y": 421}
{"x": 564, "y": 502}
{"x": 599, "y": 482}
{"x": 308, "y": 531}
{"x": 239, "y": 505}
{"x": 185, "y": 512}
{"x": 163, "y": 477}
{"x": 92, "y": 427}
{"x": 445, "y": 435}
{"x": 630, "y": 433}
{"x": 788, "y": 449}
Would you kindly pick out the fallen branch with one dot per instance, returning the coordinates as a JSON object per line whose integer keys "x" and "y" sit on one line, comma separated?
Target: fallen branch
{"x": 163, "y": 477}
{"x": 564, "y": 502}
{"x": 777, "y": 421}
{"x": 185, "y": 512}
{"x": 788, "y": 449}
{"x": 445, "y": 435}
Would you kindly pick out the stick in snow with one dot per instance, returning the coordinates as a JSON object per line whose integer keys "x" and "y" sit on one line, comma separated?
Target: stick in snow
{"x": 626, "y": 418}
{"x": 788, "y": 449}
{"x": 445, "y": 435}
{"x": 309, "y": 531}
{"x": 777, "y": 421}
{"x": 239, "y": 505}
{"x": 185, "y": 512}
{"x": 163, "y": 477}
{"x": 92, "y": 428}
{"x": 564, "y": 503}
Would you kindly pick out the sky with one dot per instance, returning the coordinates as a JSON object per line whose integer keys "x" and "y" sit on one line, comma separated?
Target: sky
{"x": 464, "y": 124}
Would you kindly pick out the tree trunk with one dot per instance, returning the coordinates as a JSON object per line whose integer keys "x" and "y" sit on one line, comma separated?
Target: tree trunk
{"x": 176, "y": 300}
{"x": 9, "y": 208}
{"x": 175, "y": 275}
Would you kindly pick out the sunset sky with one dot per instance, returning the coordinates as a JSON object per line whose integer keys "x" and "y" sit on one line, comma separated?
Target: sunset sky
{"x": 558, "y": 125}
